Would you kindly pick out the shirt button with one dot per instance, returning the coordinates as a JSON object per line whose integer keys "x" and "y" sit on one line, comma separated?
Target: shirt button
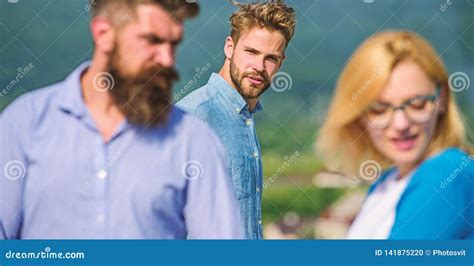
{"x": 238, "y": 110}
{"x": 258, "y": 190}
{"x": 102, "y": 174}
{"x": 255, "y": 154}
{"x": 260, "y": 222}
{"x": 248, "y": 122}
{"x": 101, "y": 218}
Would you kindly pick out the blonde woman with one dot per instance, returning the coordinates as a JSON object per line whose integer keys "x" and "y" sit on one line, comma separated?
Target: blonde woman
{"x": 393, "y": 109}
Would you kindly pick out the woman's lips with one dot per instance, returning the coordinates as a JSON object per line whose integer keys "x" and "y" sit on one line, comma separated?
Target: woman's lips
{"x": 405, "y": 143}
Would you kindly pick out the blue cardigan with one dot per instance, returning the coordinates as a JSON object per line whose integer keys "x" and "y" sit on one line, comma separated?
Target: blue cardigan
{"x": 438, "y": 202}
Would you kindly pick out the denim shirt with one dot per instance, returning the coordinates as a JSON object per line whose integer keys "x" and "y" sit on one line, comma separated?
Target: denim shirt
{"x": 219, "y": 105}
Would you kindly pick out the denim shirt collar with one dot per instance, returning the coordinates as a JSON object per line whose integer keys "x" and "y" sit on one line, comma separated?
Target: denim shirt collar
{"x": 70, "y": 96}
{"x": 225, "y": 89}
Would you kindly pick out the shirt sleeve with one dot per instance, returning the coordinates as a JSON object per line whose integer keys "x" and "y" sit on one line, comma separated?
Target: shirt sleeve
{"x": 13, "y": 170}
{"x": 211, "y": 210}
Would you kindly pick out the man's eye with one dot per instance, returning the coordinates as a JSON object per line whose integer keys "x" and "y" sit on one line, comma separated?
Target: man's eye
{"x": 273, "y": 59}
{"x": 153, "y": 40}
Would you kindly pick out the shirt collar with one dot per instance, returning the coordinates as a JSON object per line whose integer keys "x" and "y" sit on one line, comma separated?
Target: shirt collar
{"x": 70, "y": 96}
{"x": 225, "y": 89}
{"x": 258, "y": 107}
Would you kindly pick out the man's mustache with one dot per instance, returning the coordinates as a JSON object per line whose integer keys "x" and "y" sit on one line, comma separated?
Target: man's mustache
{"x": 169, "y": 73}
{"x": 259, "y": 75}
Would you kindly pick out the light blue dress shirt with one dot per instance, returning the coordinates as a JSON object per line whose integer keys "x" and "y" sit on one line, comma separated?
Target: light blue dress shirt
{"x": 223, "y": 108}
{"x": 59, "y": 179}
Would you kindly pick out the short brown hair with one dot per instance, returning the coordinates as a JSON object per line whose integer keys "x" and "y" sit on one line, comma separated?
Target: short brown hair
{"x": 273, "y": 15}
{"x": 114, "y": 9}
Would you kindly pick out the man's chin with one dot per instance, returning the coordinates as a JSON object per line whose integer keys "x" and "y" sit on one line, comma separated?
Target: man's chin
{"x": 253, "y": 93}
{"x": 161, "y": 82}
{"x": 144, "y": 105}
{"x": 151, "y": 118}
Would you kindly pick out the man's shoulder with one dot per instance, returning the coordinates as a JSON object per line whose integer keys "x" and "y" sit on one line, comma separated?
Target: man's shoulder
{"x": 191, "y": 129}
{"x": 187, "y": 121}
{"x": 32, "y": 103}
{"x": 198, "y": 99}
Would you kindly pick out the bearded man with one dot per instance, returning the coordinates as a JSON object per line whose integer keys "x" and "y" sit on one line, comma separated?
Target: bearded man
{"x": 104, "y": 154}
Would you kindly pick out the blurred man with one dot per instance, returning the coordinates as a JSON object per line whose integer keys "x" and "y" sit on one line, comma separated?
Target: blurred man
{"x": 104, "y": 154}
{"x": 254, "y": 52}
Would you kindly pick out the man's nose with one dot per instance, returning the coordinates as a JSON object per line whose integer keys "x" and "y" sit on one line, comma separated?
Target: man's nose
{"x": 259, "y": 65}
{"x": 165, "y": 56}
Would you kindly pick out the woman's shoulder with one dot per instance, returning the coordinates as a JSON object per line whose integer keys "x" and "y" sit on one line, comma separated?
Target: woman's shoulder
{"x": 450, "y": 155}
{"x": 448, "y": 164}
{"x": 383, "y": 177}
{"x": 440, "y": 191}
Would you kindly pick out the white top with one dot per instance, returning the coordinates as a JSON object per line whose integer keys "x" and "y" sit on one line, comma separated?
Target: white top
{"x": 377, "y": 215}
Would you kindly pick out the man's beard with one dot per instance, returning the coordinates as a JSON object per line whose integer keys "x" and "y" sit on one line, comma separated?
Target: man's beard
{"x": 143, "y": 99}
{"x": 251, "y": 92}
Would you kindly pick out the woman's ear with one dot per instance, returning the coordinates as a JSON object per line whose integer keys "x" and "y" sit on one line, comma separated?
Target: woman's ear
{"x": 361, "y": 123}
{"x": 443, "y": 99}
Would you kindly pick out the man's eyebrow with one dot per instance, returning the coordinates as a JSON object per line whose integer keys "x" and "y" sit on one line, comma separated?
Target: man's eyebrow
{"x": 248, "y": 48}
{"x": 157, "y": 39}
{"x": 275, "y": 55}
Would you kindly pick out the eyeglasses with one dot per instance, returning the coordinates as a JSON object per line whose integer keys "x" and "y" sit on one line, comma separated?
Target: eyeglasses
{"x": 418, "y": 109}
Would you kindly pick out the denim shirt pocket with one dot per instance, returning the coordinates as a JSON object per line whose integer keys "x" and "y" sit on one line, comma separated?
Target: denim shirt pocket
{"x": 240, "y": 170}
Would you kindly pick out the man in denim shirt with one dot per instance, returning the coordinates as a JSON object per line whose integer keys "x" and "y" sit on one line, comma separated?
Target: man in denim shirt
{"x": 254, "y": 52}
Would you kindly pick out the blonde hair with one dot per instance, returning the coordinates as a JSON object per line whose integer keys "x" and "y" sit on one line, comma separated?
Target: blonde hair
{"x": 343, "y": 142}
{"x": 271, "y": 15}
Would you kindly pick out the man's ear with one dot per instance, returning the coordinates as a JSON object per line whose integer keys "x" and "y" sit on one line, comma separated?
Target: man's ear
{"x": 229, "y": 47}
{"x": 283, "y": 57}
{"x": 103, "y": 34}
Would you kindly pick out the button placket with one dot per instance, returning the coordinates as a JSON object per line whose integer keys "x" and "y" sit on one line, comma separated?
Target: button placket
{"x": 100, "y": 180}
{"x": 248, "y": 122}
{"x": 101, "y": 174}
